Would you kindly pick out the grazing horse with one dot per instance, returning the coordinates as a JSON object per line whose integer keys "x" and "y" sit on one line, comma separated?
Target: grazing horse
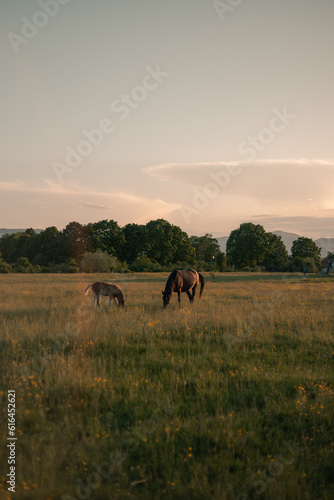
{"x": 107, "y": 289}
{"x": 182, "y": 281}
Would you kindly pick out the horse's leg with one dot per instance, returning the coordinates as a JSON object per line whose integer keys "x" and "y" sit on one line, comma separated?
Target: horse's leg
{"x": 179, "y": 297}
{"x": 189, "y": 295}
{"x": 94, "y": 300}
{"x": 110, "y": 299}
{"x": 116, "y": 301}
{"x": 98, "y": 300}
{"x": 194, "y": 291}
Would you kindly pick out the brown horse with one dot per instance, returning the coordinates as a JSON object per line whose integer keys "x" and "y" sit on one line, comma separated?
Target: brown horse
{"x": 182, "y": 281}
{"x": 112, "y": 291}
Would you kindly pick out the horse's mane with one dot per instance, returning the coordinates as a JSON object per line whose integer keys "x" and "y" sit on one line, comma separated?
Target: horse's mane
{"x": 170, "y": 281}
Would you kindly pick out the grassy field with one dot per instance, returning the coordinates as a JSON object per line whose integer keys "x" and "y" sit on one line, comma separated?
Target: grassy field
{"x": 227, "y": 398}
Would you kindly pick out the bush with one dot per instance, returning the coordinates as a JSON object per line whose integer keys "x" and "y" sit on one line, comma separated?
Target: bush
{"x": 70, "y": 266}
{"x": 202, "y": 266}
{"x": 5, "y": 268}
{"x": 100, "y": 262}
{"x": 144, "y": 264}
{"x": 311, "y": 265}
{"x": 271, "y": 267}
{"x": 298, "y": 264}
{"x": 246, "y": 269}
{"x": 23, "y": 265}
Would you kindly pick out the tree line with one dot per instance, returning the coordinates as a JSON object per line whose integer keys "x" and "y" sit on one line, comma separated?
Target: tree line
{"x": 104, "y": 246}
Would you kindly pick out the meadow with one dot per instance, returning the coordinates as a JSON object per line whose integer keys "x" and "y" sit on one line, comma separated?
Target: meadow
{"x": 227, "y": 398}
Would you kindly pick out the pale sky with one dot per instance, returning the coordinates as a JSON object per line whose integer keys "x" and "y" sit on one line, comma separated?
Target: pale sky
{"x": 210, "y": 113}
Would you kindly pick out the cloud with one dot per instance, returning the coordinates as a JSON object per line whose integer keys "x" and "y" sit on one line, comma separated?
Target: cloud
{"x": 83, "y": 202}
{"x": 45, "y": 186}
{"x": 262, "y": 180}
{"x": 96, "y": 205}
{"x": 294, "y": 194}
{"x": 175, "y": 172}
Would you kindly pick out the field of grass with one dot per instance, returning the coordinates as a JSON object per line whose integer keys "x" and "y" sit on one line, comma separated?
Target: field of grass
{"x": 227, "y": 398}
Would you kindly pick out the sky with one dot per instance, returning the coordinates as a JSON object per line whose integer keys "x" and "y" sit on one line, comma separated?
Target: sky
{"x": 207, "y": 113}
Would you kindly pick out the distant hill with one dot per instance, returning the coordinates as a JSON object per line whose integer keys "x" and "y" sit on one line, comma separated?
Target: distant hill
{"x": 222, "y": 242}
{"x": 326, "y": 244}
{"x": 288, "y": 239}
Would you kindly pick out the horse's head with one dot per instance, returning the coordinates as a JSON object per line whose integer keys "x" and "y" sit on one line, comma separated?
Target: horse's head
{"x": 120, "y": 300}
{"x": 166, "y": 299}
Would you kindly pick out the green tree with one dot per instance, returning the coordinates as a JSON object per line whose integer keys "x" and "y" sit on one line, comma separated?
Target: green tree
{"x": 8, "y": 247}
{"x": 108, "y": 237}
{"x": 135, "y": 241}
{"x": 247, "y": 246}
{"x": 75, "y": 240}
{"x": 47, "y": 247}
{"x": 206, "y": 247}
{"x": 221, "y": 262}
{"x": 167, "y": 243}
{"x": 306, "y": 248}
{"x": 276, "y": 255}
{"x": 16, "y": 245}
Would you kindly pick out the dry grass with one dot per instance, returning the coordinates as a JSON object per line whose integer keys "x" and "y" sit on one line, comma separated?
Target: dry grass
{"x": 231, "y": 397}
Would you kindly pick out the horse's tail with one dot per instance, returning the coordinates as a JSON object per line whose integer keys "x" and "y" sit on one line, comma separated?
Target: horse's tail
{"x": 87, "y": 289}
{"x": 202, "y": 280}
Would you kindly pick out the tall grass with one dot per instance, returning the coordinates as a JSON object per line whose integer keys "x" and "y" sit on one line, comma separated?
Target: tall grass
{"x": 227, "y": 398}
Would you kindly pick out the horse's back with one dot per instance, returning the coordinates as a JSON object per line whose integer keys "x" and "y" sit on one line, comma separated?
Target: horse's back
{"x": 190, "y": 273}
{"x": 190, "y": 278}
{"x": 106, "y": 289}
{"x": 189, "y": 270}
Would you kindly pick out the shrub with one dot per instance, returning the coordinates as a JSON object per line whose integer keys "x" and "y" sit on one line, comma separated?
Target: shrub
{"x": 246, "y": 269}
{"x": 23, "y": 265}
{"x": 202, "y": 266}
{"x": 100, "y": 262}
{"x": 298, "y": 264}
{"x": 70, "y": 266}
{"x": 144, "y": 264}
{"x": 38, "y": 269}
{"x": 311, "y": 265}
{"x": 5, "y": 268}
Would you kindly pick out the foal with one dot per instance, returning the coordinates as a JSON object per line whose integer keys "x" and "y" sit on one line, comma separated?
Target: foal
{"x": 107, "y": 289}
